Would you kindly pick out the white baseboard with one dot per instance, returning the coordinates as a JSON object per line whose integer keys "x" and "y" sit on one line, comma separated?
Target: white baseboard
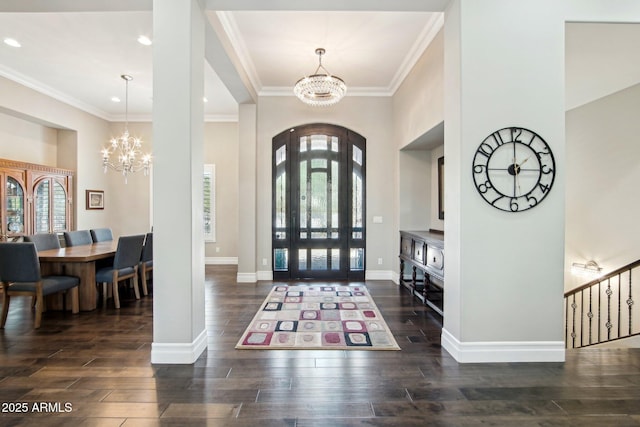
{"x": 183, "y": 353}
{"x": 265, "y": 275}
{"x": 220, "y": 260}
{"x": 378, "y": 275}
{"x": 254, "y": 277}
{"x": 490, "y": 352}
{"x": 246, "y": 278}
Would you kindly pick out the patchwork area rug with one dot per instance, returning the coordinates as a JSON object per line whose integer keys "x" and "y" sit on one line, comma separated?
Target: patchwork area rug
{"x": 318, "y": 317}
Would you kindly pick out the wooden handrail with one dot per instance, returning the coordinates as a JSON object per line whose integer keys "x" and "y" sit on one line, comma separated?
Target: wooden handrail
{"x": 603, "y": 278}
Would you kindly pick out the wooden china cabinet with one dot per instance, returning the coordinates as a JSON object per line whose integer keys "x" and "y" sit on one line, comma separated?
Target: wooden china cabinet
{"x": 34, "y": 199}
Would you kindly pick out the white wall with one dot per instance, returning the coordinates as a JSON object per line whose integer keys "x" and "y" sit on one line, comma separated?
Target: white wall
{"x": 221, "y": 149}
{"x": 26, "y": 141}
{"x": 418, "y": 104}
{"x": 494, "y": 293}
{"x": 418, "y": 107}
{"x": 371, "y": 118}
{"x": 603, "y": 172}
{"x": 415, "y": 190}
{"x": 129, "y": 203}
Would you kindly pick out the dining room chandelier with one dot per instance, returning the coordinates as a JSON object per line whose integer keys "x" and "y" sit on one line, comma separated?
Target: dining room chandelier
{"x": 124, "y": 153}
{"x": 320, "y": 89}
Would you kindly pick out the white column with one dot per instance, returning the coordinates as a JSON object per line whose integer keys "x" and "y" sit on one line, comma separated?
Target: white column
{"x": 179, "y": 334}
{"x": 504, "y": 66}
{"x": 247, "y": 235}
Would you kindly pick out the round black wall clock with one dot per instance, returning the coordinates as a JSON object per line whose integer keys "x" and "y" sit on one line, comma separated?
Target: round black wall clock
{"x": 513, "y": 169}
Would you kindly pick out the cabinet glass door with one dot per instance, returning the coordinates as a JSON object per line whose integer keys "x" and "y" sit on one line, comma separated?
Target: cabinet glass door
{"x": 50, "y": 203}
{"x": 13, "y": 207}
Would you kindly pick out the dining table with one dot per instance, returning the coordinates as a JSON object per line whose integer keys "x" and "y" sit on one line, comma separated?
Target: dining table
{"x": 79, "y": 261}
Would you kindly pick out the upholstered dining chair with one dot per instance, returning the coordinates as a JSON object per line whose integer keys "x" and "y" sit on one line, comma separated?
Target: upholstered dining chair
{"x": 44, "y": 241}
{"x": 146, "y": 262}
{"x": 20, "y": 275}
{"x": 77, "y": 238}
{"x": 101, "y": 234}
{"x": 125, "y": 266}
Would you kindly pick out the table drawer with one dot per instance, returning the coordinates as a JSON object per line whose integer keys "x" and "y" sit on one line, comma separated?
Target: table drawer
{"x": 435, "y": 258}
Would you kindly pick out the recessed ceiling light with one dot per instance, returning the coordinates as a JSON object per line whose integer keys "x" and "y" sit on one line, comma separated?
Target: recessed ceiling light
{"x": 205, "y": 99}
{"x": 12, "y": 42}
{"x": 115, "y": 99}
{"x": 144, "y": 40}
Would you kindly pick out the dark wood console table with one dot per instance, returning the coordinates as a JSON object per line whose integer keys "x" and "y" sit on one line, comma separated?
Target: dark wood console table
{"x": 424, "y": 252}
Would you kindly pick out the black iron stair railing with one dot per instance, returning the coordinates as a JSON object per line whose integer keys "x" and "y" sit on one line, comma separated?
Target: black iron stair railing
{"x": 603, "y": 309}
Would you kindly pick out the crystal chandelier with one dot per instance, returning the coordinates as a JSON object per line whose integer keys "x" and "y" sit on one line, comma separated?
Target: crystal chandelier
{"x": 320, "y": 89}
{"x": 126, "y": 148}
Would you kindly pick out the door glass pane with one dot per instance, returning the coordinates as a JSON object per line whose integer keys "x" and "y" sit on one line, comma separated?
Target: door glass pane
{"x": 281, "y": 259}
{"x": 357, "y": 155}
{"x": 319, "y": 200}
{"x": 42, "y": 207}
{"x": 281, "y": 201}
{"x": 303, "y": 195}
{"x": 318, "y": 259}
{"x": 357, "y": 259}
{"x": 59, "y": 207}
{"x": 302, "y": 259}
{"x": 357, "y": 201}
{"x": 319, "y": 142}
{"x": 335, "y": 182}
{"x": 318, "y": 163}
{"x": 281, "y": 154}
{"x": 303, "y": 144}
{"x": 335, "y": 259}
{"x": 334, "y": 144}
{"x": 15, "y": 206}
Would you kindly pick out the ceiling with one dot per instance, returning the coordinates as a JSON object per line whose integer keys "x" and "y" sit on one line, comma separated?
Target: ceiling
{"x": 78, "y": 57}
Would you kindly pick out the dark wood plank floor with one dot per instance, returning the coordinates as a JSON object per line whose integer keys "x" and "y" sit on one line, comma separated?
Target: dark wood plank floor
{"x": 97, "y": 367}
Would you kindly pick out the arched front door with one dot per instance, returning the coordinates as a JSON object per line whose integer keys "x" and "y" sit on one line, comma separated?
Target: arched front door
{"x": 319, "y": 203}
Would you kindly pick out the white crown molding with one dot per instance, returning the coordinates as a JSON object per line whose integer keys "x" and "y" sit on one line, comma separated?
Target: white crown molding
{"x": 435, "y": 24}
{"x": 50, "y": 92}
{"x": 230, "y": 27}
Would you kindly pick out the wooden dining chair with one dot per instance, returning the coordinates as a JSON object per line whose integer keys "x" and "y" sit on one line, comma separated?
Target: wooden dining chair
{"x": 20, "y": 275}
{"x": 146, "y": 262}
{"x": 125, "y": 266}
{"x": 101, "y": 235}
{"x": 77, "y": 238}
{"x": 44, "y": 241}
